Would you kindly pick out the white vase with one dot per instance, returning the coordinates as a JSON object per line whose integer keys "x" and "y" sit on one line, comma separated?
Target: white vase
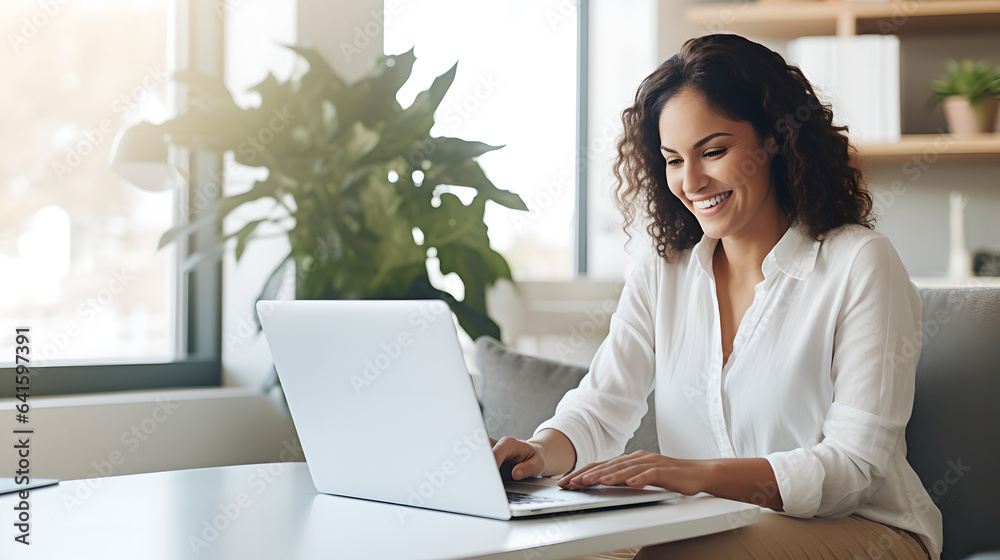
{"x": 959, "y": 259}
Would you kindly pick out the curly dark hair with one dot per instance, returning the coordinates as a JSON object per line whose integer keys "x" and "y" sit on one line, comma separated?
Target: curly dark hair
{"x": 814, "y": 178}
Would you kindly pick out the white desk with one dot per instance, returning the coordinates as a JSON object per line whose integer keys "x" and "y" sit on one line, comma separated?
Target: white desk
{"x": 161, "y": 516}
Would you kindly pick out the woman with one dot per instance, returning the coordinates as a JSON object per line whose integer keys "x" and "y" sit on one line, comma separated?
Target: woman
{"x": 780, "y": 332}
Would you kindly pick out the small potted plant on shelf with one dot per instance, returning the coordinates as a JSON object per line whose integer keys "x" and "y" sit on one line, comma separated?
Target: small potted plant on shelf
{"x": 970, "y": 92}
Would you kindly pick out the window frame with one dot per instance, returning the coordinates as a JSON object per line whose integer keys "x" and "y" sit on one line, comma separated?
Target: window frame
{"x": 195, "y": 42}
{"x": 198, "y": 37}
{"x": 582, "y": 134}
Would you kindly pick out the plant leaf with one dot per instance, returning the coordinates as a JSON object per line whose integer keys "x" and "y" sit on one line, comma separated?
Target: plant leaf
{"x": 217, "y": 131}
{"x": 267, "y": 87}
{"x": 209, "y": 255}
{"x": 466, "y": 262}
{"x": 377, "y": 92}
{"x": 446, "y": 149}
{"x": 393, "y": 77}
{"x": 318, "y": 66}
{"x": 439, "y": 88}
{"x": 267, "y": 188}
{"x": 470, "y": 174}
{"x": 183, "y": 230}
{"x": 243, "y": 235}
{"x": 329, "y": 155}
{"x": 360, "y": 142}
{"x": 208, "y": 92}
{"x": 473, "y": 322}
{"x": 271, "y": 286}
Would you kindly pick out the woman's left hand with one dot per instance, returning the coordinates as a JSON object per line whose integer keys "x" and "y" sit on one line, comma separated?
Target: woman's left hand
{"x": 638, "y": 469}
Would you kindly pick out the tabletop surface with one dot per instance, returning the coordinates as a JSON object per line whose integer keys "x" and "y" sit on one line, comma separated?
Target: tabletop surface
{"x": 273, "y": 511}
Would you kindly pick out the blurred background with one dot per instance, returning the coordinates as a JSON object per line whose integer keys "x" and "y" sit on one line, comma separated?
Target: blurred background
{"x": 110, "y": 312}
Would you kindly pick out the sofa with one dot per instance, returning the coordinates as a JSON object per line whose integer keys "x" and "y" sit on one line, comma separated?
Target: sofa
{"x": 953, "y": 437}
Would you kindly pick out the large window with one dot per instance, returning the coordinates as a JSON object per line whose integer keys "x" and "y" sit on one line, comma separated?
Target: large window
{"x": 516, "y": 85}
{"x": 78, "y": 243}
{"x": 519, "y": 83}
{"x": 622, "y": 43}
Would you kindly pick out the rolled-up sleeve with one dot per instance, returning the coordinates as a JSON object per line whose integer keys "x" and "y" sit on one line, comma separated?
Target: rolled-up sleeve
{"x": 603, "y": 412}
{"x": 876, "y": 346}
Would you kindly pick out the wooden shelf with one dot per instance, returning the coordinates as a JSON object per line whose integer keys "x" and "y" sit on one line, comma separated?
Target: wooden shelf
{"x": 786, "y": 20}
{"x": 933, "y": 147}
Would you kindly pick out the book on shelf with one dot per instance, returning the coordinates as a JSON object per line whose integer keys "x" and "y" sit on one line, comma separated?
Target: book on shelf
{"x": 859, "y": 77}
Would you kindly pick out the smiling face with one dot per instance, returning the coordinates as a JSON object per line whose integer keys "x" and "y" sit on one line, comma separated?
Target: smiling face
{"x": 718, "y": 168}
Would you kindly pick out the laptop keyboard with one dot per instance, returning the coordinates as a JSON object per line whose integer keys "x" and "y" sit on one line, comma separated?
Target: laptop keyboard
{"x": 520, "y": 498}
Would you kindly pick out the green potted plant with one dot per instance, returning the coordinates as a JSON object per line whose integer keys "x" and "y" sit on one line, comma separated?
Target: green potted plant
{"x": 970, "y": 92}
{"x": 358, "y": 184}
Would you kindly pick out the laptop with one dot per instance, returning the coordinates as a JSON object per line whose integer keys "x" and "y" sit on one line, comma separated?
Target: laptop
{"x": 11, "y": 485}
{"x": 385, "y": 410}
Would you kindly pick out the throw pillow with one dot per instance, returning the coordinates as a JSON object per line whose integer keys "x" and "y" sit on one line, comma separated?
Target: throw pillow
{"x": 521, "y": 391}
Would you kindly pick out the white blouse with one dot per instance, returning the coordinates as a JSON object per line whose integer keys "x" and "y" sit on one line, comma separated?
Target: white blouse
{"x": 819, "y": 382}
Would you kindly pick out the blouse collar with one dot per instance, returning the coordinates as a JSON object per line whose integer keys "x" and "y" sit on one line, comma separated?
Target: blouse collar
{"x": 794, "y": 254}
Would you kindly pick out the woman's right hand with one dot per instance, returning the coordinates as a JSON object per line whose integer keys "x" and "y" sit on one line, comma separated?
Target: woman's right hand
{"x": 518, "y": 459}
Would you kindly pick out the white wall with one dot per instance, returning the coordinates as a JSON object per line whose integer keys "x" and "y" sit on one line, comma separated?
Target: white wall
{"x": 92, "y": 436}
{"x": 917, "y": 219}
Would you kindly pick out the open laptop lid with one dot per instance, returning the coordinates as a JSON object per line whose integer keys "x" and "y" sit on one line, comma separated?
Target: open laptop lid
{"x": 383, "y": 404}
{"x": 10, "y": 485}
